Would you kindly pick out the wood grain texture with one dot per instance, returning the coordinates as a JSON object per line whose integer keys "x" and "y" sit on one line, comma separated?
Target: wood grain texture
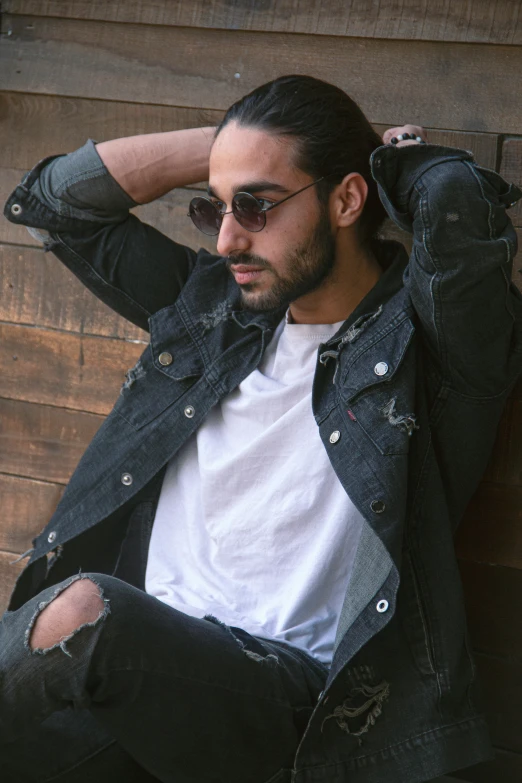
{"x": 511, "y": 170}
{"x": 493, "y": 597}
{"x": 506, "y": 767}
{"x": 67, "y": 370}
{"x": 502, "y": 687}
{"x": 9, "y": 232}
{"x": 56, "y": 124}
{"x": 491, "y": 529}
{"x": 27, "y": 506}
{"x": 38, "y": 290}
{"x": 175, "y": 66}
{"x": 41, "y": 441}
{"x": 8, "y": 575}
{"x": 53, "y": 125}
{"x": 480, "y": 21}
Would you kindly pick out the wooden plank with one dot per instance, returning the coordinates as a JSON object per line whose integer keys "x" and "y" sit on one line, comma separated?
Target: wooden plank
{"x": 27, "y": 506}
{"x": 39, "y": 290}
{"x": 506, "y": 767}
{"x": 68, "y": 370}
{"x": 35, "y": 126}
{"x": 502, "y": 688}
{"x": 505, "y": 465}
{"x": 468, "y": 88}
{"x": 41, "y": 441}
{"x": 76, "y": 119}
{"x": 490, "y": 530}
{"x": 168, "y": 214}
{"x": 482, "y": 21}
{"x": 8, "y": 574}
{"x": 493, "y": 597}
{"x": 9, "y": 232}
{"x": 511, "y": 170}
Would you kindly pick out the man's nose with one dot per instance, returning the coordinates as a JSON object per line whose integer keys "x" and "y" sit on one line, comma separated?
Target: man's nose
{"x": 232, "y": 238}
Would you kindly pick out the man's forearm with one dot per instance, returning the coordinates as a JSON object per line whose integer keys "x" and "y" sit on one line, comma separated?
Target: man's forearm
{"x": 148, "y": 166}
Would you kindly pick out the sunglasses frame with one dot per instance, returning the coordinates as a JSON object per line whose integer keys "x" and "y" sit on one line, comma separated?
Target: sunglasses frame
{"x": 263, "y": 210}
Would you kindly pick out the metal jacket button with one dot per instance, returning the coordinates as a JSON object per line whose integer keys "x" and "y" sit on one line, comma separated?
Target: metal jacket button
{"x": 52, "y": 536}
{"x": 165, "y": 358}
{"x": 126, "y": 479}
{"x": 334, "y": 437}
{"x": 189, "y": 411}
{"x": 382, "y": 606}
{"x": 377, "y": 506}
{"x": 381, "y": 368}
{"x": 16, "y": 209}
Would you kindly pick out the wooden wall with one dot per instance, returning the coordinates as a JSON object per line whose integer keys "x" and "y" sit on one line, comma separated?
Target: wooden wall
{"x": 73, "y": 69}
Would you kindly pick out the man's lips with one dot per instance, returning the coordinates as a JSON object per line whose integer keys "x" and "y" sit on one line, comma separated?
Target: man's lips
{"x": 245, "y": 273}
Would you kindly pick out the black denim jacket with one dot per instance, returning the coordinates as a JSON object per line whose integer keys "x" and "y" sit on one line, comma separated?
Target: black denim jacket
{"x": 407, "y": 397}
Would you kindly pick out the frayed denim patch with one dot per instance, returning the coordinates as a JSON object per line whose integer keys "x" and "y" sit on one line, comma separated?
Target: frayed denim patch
{"x": 364, "y": 701}
{"x": 62, "y": 643}
{"x": 269, "y": 659}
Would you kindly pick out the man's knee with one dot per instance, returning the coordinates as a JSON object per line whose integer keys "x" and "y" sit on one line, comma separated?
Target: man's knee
{"x": 79, "y": 604}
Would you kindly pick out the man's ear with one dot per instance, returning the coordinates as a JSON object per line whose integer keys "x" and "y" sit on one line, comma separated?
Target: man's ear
{"x": 347, "y": 200}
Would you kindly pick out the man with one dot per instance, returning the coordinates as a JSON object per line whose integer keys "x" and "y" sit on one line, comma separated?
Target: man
{"x": 251, "y": 575}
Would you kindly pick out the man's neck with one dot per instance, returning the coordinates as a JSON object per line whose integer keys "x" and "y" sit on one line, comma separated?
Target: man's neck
{"x": 340, "y": 294}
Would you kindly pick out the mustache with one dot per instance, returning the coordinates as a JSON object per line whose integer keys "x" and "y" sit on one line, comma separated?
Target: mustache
{"x": 247, "y": 259}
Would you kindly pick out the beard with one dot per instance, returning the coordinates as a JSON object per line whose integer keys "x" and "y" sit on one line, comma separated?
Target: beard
{"x": 305, "y": 270}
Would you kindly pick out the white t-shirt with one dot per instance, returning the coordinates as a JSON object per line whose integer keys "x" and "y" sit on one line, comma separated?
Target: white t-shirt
{"x": 253, "y": 525}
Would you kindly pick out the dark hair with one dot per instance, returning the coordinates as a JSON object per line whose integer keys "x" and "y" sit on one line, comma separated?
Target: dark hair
{"x": 334, "y": 136}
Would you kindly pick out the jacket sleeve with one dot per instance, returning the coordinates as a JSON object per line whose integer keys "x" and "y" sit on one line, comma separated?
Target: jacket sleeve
{"x": 77, "y": 208}
{"x": 459, "y": 271}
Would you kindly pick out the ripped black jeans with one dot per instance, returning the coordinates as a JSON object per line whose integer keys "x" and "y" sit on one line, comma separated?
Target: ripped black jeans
{"x": 148, "y": 693}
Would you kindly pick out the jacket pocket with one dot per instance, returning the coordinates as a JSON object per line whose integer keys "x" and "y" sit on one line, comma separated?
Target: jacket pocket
{"x": 148, "y": 391}
{"x": 378, "y": 390}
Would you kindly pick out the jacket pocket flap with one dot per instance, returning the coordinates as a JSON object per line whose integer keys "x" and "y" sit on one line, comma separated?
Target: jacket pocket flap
{"x": 173, "y": 351}
{"x": 376, "y": 363}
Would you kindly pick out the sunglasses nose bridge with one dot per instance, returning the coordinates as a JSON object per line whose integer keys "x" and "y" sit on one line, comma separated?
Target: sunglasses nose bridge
{"x": 232, "y": 237}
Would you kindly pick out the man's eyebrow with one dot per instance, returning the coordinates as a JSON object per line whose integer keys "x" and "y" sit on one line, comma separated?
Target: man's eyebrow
{"x": 258, "y": 186}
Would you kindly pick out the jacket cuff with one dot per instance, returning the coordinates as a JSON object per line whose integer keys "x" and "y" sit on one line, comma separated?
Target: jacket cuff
{"x": 397, "y": 169}
{"x": 61, "y": 190}
{"x": 82, "y": 181}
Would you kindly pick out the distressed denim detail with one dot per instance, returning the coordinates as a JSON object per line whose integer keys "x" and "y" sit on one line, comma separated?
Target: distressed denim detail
{"x": 406, "y": 421}
{"x": 221, "y": 312}
{"x": 351, "y": 335}
{"x": 269, "y": 659}
{"x": 63, "y": 642}
{"x": 365, "y": 702}
{"x": 133, "y": 375}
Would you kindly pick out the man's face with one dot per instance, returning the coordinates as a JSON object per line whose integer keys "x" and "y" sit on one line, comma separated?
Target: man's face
{"x": 295, "y": 252}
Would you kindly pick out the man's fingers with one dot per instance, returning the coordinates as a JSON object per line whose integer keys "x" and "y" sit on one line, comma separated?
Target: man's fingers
{"x": 418, "y": 130}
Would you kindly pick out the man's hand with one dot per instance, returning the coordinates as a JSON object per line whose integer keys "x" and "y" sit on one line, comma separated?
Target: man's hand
{"x": 394, "y": 132}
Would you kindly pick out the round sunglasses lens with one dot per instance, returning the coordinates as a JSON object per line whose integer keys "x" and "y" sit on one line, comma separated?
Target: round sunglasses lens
{"x": 248, "y": 212}
{"x": 205, "y": 216}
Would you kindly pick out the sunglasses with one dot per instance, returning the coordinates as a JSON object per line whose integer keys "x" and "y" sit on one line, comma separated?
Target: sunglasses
{"x": 246, "y": 208}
